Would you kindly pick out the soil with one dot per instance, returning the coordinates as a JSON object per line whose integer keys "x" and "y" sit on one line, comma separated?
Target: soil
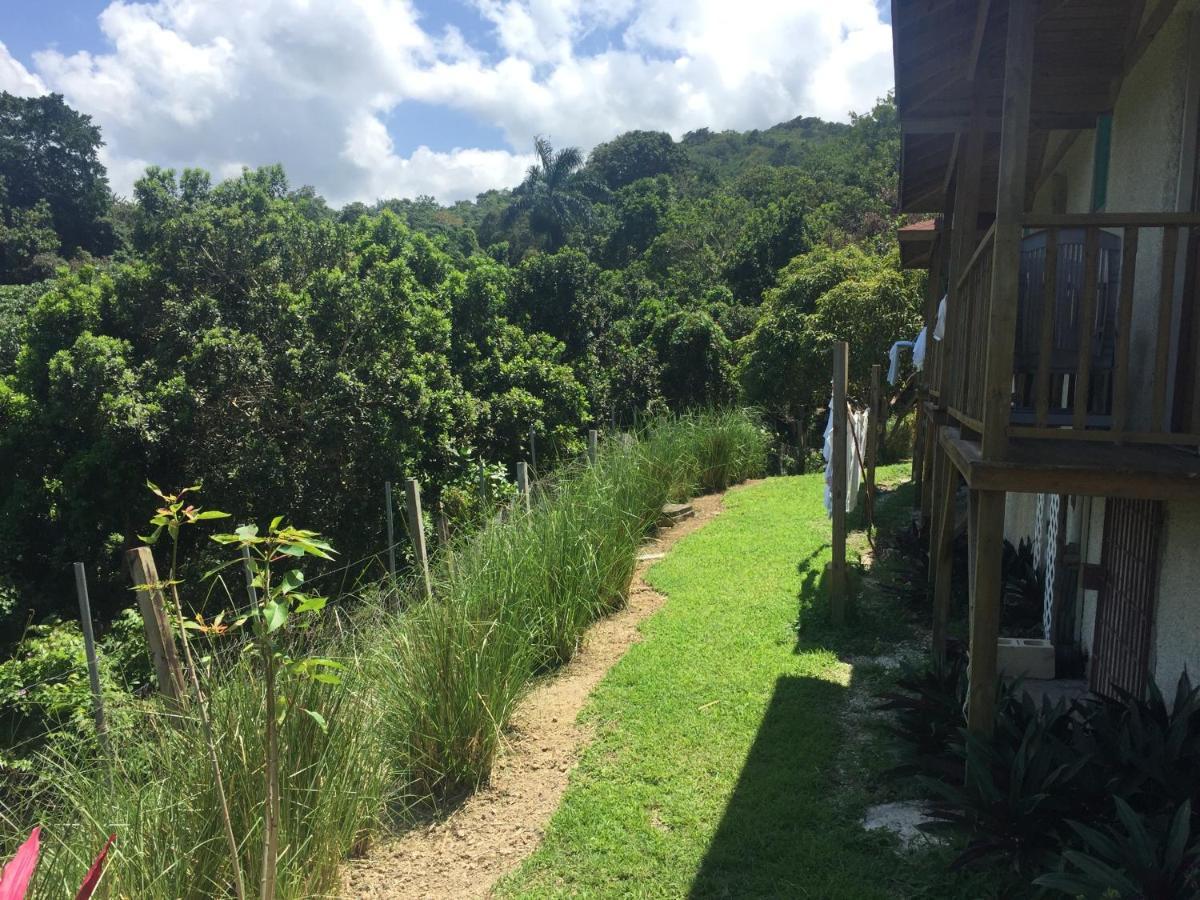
{"x": 465, "y": 852}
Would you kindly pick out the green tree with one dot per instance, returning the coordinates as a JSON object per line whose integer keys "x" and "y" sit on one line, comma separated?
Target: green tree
{"x": 48, "y": 151}
{"x": 551, "y": 194}
{"x": 635, "y": 155}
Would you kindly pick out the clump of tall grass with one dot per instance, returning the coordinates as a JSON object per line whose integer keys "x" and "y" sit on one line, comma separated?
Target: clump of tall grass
{"x": 514, "y": 600}
{"x": 158, "y": 795}
{"x": 427, "y": 689}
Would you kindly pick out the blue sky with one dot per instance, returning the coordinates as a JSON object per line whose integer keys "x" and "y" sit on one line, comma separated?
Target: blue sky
{"x": 370, "y": 98}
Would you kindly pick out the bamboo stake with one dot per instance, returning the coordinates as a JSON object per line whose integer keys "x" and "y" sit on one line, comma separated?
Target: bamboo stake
{"x": 391, "y": 538}
{"x": 523, "y": 483}
{"x": 592, "y": 442}
{"x": 89, "y": 647}
{"x": 837, "y": 569}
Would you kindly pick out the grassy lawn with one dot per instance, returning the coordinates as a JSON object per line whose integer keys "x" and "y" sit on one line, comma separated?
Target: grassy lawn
{"x": 722, "y": 765}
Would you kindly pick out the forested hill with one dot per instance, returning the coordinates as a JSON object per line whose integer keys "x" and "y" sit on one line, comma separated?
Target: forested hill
{"x": 291, "y": 357}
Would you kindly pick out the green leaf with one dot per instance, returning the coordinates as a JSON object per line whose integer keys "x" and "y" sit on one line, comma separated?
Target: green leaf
{"x": 319, "y": 719}
{"x": 246, "y": 532}
{"x": 311, "y": 604}
{"x": 275, "y": 523}
{"x": 275, "y": 614}
{"x": 211, "y": 514}
{"x": 291, "y": 580}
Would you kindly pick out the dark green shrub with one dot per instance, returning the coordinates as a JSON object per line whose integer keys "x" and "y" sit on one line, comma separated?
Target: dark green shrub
{"x": 1152, "y": 857}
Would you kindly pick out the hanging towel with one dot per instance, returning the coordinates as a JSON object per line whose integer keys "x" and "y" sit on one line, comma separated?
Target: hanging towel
{"x": 939, "y": 327}
{"x": 856, "y": 442}
{"x": 919, "y": 351}
{"x": 894, "y": 358}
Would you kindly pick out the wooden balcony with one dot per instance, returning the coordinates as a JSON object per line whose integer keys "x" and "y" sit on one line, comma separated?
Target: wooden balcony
{"x": 1104, "y": 385}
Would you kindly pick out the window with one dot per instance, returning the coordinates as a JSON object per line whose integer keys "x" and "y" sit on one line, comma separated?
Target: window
{"x": 1103, "y": 149}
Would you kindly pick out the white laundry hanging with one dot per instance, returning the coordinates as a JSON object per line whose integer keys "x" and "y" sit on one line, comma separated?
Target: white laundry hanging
{"x": 919, "y": 351}
{"x": 856, "y": 443}
{"x": 939, "y": 327}
{"x": 894, "y": 360}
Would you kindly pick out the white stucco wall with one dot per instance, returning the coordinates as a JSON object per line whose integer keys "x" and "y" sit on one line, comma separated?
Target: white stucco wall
{"x": 1020, "y": 517}
{"x": 1177, "y": 614}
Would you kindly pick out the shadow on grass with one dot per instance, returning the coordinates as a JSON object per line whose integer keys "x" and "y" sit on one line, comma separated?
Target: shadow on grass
{"x": 768, "y": 843}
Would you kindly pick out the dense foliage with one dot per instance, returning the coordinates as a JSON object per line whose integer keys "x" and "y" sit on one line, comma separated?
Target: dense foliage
{"x": 292, "y": 357}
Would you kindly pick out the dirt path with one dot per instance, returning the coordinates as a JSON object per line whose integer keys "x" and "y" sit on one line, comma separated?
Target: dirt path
{"x": 466, "y": 853}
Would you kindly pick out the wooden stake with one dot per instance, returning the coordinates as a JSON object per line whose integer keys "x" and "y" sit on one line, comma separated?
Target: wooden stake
{"x": 443, "y": 525}
{"x": 159, "y": 638}
{"x": 533, "y": 447}
{"x": 89, "y": 647}
{"x": 483, "y": 484}
{"x": 593, "y": 441}
{"x": 523, "y": 483}
{"x": 391, "y": 536}
{"x": 872, "y": 450}
{"x": 416, "y": 528}
{"x": 837, "y": 569}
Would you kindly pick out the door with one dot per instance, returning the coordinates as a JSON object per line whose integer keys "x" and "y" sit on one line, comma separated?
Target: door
{"x": 1125, "y": 613}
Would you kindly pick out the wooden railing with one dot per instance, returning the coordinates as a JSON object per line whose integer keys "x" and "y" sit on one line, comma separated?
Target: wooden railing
{"x": 1088, "y": 284}
{"x": 1097, "y": 350}
{"x": 965, "y": 347}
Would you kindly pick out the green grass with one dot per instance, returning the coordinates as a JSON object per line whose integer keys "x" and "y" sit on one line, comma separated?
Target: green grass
{"x": 429, "y": 687}
{"x": 723, "y": 765}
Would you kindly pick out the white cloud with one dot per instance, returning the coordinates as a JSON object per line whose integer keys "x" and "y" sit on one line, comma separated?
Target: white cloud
{"x": 16, "y": 79}
{"x": 310, "y": 83}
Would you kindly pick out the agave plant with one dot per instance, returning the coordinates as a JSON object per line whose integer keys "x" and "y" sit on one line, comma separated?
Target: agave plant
{"x": 1140, "y": 859}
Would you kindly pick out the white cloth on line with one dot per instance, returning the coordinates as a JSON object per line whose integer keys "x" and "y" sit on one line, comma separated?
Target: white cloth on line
{"x": 919, "y": 351}
{"x": 894, "y": 360}
{"x": 939, "y": 327}
{"x": 856, "y": 442}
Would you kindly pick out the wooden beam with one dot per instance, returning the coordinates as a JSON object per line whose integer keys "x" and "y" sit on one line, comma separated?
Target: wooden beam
{"x": 981, "y": 20}
{"x": 1010, "y": 209}
{"x": 942, "y": 546}
{"x": 986, "y": 590}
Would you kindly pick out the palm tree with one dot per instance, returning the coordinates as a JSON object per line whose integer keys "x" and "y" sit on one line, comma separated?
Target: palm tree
{"x": 551, "y": 193}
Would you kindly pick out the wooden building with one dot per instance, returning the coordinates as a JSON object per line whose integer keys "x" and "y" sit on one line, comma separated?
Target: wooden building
{"x": 1054, "y": 142}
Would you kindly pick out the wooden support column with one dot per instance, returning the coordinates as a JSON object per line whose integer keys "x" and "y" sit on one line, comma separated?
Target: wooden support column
{"x": 416, "y": 533}
{"x": 837, "y": 568}
{"x": 985, "y": 612}
{"x": 1010, "y": 208}
{"x": 942, "y": 548}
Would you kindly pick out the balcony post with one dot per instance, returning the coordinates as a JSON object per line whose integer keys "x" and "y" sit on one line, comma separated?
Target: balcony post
{"x": 1010, "y": 207}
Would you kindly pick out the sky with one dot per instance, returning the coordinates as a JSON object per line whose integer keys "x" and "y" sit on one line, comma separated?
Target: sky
{"x": 368, "y": 99}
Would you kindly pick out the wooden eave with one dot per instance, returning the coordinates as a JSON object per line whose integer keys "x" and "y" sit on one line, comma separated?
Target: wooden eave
{"x": 949, "y": 60}
{"x": 1078, "y": 468}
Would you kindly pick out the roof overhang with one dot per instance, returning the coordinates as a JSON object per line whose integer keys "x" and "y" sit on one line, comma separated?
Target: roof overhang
{"x": 949, "y": 60}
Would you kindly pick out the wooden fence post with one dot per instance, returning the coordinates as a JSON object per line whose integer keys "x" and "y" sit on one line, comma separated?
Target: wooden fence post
{"x": 483, "y": 484}
{"x": 837, "y": 568}
{"x": 872, "y": 450}
{"x": 533, "y": 447}
{"x": 523, "y": 483}
{"x": 89, "y": 647}
{"x": 593, "y": 441}
{"x": 158, "y": 634}
{"x": 391, "y": 536}
{"x": 443, "y": 525}
{"x": 416, "y": 527}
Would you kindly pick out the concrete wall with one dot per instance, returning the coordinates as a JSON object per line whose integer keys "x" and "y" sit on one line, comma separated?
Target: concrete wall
{"x": 1176, "y": 639}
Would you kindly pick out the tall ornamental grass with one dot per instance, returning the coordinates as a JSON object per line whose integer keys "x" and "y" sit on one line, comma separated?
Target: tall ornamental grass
{"x": 427, "y": 691}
